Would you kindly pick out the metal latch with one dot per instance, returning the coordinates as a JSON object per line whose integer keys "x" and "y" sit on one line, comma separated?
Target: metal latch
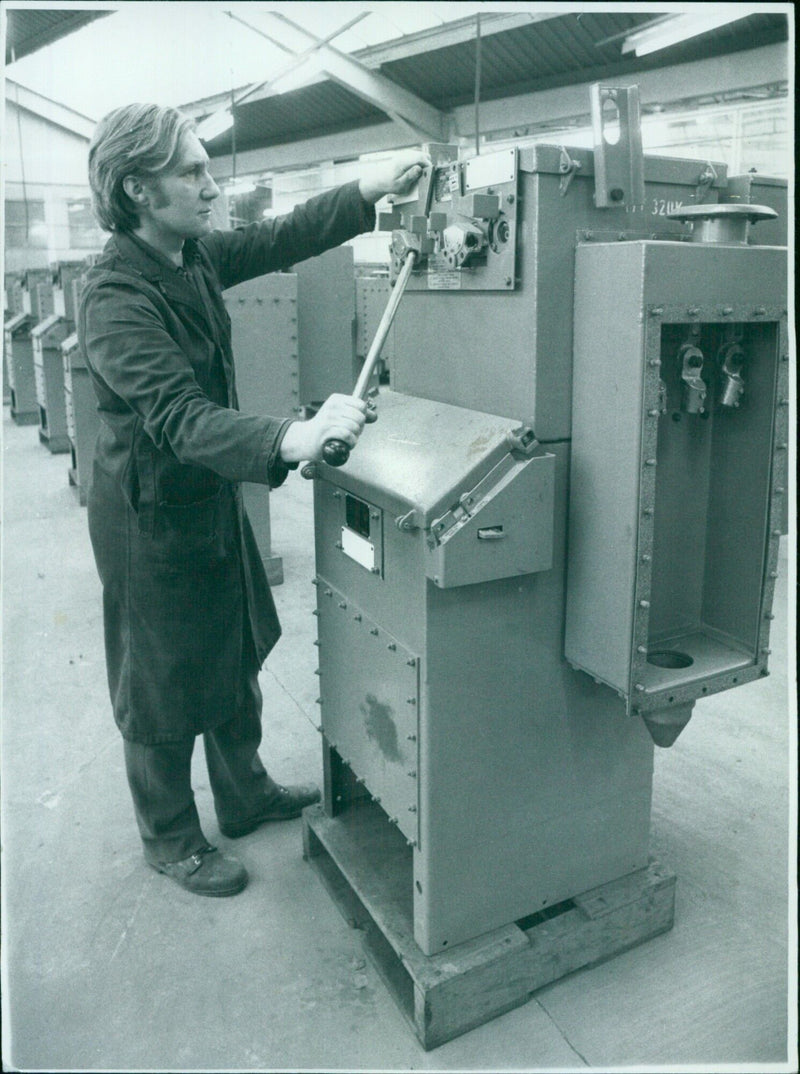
{"x": 568, "y": 167}
{"x": 705, "y": 180}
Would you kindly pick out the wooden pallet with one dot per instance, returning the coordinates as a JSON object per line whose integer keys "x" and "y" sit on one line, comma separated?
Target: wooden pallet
{"x": 368, "y": 873}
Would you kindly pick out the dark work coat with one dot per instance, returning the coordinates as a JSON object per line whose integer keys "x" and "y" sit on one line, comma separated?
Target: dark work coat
{"x": 182, "y": 576}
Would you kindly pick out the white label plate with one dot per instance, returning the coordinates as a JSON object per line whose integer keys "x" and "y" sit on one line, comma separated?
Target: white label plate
{"x": 490, "y": 169}
{"x": 358, "y": 548}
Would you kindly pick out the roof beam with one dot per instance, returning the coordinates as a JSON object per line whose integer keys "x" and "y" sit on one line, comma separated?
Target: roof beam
{"x": 451, "y": 33}
{"x": 411, "y": 112}
{"x": 52, "y": 111}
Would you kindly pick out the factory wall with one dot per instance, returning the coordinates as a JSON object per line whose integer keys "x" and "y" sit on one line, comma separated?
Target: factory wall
{"x": 46, "y": 193}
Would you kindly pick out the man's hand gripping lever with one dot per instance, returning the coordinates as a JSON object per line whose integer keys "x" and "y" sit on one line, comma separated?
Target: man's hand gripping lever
{"x": 337, "y": 452}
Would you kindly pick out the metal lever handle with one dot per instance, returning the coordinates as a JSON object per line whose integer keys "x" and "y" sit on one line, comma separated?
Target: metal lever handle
{"x": 337, "y": 452}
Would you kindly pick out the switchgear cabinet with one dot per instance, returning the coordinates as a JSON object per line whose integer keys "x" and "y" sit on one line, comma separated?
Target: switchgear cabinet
{"x": 562, "y": 531}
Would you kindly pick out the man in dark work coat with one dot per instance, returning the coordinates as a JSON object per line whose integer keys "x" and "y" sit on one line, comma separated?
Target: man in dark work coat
{"x": 188, "y": 615}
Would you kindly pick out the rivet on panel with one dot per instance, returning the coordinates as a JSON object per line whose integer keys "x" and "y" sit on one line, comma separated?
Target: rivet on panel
{"x": 391, "y": 647}
{"x": 412, "y": 809}
{"x": 357, "y": 618}
{"x": 342, "y": 604}
{"x": 644, "y": 603}
{"x": 374, "y": 630}
{"x": 655, "y": 362}
{"x": 639, "y": 687}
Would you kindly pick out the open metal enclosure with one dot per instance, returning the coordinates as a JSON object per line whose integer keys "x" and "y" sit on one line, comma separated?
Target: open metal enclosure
{"x": 562, "y": 530}
{"x": 680, "y": 438}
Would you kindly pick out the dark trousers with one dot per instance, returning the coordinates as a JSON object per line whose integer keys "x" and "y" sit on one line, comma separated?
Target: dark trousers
{"x": 160, "y": 780}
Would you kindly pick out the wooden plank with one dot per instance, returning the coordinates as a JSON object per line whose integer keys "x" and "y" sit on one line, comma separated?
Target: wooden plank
{"x": 368, "y": 872}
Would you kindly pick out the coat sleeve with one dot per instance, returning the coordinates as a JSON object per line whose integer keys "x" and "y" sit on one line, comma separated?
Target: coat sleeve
{"x": 322, "y": 222}
{"x": 141, "y": 369}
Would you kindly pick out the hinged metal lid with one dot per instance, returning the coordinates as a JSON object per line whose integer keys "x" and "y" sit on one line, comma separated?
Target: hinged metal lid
{"x": 421, "y": 457}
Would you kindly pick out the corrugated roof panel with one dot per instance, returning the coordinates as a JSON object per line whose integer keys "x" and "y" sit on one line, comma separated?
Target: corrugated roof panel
{"x": 29, "y": 29}
{"x": 323, "y": 108}
{"x": 559, "y": 51}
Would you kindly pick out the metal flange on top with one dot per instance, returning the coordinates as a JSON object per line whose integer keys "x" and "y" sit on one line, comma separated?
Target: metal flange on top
{"x": 722, "y": 223}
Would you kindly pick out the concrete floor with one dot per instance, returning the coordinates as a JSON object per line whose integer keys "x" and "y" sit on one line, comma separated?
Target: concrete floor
{"x": 108, "y": 965}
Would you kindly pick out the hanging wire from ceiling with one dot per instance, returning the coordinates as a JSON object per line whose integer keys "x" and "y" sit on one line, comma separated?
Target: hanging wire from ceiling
{"x": 477, "y": 83}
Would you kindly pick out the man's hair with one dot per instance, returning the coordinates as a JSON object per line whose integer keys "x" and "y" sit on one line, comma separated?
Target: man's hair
{"x": 140, "y": 140}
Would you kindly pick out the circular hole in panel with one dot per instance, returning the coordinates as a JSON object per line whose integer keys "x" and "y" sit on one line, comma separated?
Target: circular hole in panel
{"x": 610, "y": 121}
{"x": 669, "y": 658}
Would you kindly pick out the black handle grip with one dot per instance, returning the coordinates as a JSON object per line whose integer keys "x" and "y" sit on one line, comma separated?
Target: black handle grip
{"x": 335, "y": 452}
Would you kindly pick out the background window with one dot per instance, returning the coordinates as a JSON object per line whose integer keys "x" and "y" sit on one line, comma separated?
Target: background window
{"x": 83, "y": 230}
{"x": 25, "y": 224}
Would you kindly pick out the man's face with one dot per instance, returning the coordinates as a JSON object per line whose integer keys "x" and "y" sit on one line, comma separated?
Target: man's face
{"x": 179, "y": 205}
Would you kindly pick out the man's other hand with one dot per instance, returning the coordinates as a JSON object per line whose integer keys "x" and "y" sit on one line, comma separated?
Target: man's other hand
{"x": 394, "y": 176}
